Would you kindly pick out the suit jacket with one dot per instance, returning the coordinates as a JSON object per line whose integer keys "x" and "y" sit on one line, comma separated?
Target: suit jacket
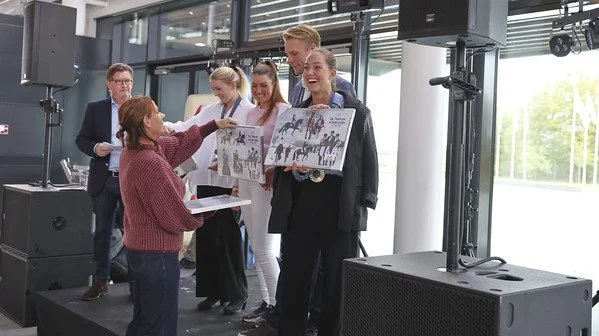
{"x": 96, "y": 128}
{"x": 359, "y": 186}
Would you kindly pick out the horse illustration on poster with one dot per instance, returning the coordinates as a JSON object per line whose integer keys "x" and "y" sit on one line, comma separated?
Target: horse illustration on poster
{"x": 240, "y": 154}
{"x": 316, "y": 139}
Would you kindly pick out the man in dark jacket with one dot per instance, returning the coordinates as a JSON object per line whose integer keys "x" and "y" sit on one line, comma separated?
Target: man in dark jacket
{"x": 97, "y": 138}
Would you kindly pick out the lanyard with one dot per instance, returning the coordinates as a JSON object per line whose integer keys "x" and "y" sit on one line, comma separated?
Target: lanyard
{"x": 222, "y": 113}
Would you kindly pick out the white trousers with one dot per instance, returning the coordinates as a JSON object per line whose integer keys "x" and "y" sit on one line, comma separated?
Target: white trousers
{"x": 255, "y": 217}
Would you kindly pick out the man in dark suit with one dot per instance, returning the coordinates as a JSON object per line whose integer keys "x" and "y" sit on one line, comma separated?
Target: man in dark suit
{"x": 97, "y": 138}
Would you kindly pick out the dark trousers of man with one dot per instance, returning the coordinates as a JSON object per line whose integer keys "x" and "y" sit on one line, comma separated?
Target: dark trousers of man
{"x": 312, "y": 236}
{"x": 105, "y": 205}
{"x": 220, "y": 272}
{"x": 156, "y": 293}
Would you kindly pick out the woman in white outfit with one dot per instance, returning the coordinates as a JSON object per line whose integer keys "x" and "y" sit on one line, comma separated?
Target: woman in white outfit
{"x": 270, "y": 102}
{"x": 220, "y": 274}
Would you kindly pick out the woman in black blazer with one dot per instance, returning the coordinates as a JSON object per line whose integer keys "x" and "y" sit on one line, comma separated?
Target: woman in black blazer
{"x": 323, "y": 218}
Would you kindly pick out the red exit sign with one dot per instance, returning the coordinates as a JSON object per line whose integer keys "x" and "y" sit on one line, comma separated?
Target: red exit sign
{"x": 3, "y": 129}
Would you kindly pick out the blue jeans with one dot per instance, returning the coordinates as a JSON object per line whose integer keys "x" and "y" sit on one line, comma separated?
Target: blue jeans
{"x": 105, "y": 209}
{"x": 156, "y": 285}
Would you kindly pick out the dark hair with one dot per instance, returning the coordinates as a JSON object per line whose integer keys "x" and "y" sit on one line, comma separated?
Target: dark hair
{"x": 117, "y": 67}
{"x": 131, "y": 120}
{"x": 232, "y": 75}
{"x": 269, "y": 69}
{"x": 330, "y": 60}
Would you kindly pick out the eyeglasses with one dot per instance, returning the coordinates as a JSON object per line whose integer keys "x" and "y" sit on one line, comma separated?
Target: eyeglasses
{"x": 123, "y": 81}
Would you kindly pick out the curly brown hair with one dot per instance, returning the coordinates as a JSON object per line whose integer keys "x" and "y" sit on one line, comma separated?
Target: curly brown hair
{"x": 131, "y": 120}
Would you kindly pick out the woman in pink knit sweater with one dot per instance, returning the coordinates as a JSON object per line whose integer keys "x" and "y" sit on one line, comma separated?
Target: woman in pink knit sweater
{"x": 155, "y": 215}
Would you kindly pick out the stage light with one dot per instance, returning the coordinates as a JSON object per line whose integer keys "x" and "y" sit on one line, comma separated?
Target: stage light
{"x": 349, "y": 6}
{"x": 591, "y": 34}
{"x": 561, "y": 45}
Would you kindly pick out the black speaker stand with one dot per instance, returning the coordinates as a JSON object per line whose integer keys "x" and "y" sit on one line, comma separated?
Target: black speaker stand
{"x": 462, "y": 84}
{"x": 50, "y": 107}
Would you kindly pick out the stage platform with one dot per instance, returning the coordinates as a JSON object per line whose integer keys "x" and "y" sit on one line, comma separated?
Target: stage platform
{"x": 61, "y": 312}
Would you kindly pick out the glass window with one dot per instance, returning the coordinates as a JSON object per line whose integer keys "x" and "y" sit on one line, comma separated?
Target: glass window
{"x": 135, "y": 39}
{"x": 269, "y": 18}
{"x": 378, "y": 239}
{"x": 192, "y": 31}
{"x": 384, "y": 73}
{"x": 173, "y": 92}
{"x": 203, "y": 82}
{"x": 546, "y": 164}
{"x": 139, "y": 81}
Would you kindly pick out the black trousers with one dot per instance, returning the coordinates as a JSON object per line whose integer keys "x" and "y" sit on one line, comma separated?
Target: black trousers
{"x": 312, "y": 236}
{"x": 274, "y": 319}
{"x": 106, "y": 204}
{"x": 303, "y": 252}
{"x": 220, "y": 271}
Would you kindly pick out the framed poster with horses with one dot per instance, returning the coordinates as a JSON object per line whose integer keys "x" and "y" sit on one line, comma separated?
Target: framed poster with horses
{"x": 312, "y": 138}
{"x": 240, "y": 154}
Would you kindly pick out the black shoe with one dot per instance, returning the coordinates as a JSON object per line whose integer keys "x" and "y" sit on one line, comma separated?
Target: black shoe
{"x": 235, "y": 306}
{"x": 273, "y": 317}
{"x": 263, "y": 329}
{"x": 187, "y": 264}
{"x": 258, "y": 314}
{"x": 312, "y": 328}
{"x": 207, "y": 304}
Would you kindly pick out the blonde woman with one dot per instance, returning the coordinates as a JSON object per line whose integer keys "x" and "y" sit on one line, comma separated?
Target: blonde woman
{"x": 220, "y": 272}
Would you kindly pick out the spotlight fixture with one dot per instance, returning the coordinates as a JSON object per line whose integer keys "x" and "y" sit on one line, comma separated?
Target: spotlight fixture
{"x": 347, "y": 6}
{"x": 561, "y": 45}
{"x": 591, "y": 34}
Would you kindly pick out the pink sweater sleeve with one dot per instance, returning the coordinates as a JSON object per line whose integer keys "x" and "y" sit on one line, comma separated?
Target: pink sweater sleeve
{"x": 180, "y": 146}
{"x": 163, "y": 200}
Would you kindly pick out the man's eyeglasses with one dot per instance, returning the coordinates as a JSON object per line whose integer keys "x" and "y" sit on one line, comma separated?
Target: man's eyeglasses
{"x": 123, "y": 81}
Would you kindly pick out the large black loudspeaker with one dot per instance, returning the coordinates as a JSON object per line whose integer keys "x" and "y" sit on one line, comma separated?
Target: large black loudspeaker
{"x": 411, "y": 295}
{"x": 440, "y": 22}
{"x": 22, "y": 277}
{"x": 46, "y": 222}
{"x": 46, "y": 243}
{"x": 48, "y": 44}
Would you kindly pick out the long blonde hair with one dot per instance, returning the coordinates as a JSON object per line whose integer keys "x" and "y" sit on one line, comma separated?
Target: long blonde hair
{"x": 232, "y": 75}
